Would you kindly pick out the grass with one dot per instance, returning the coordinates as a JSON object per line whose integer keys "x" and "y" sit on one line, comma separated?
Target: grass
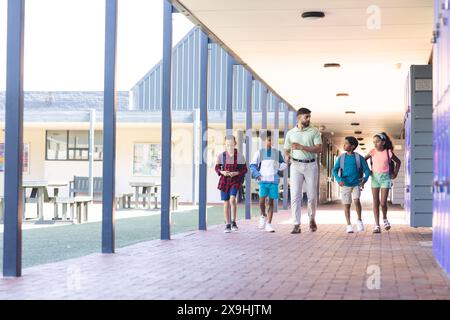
{"x": 44, "y": 245}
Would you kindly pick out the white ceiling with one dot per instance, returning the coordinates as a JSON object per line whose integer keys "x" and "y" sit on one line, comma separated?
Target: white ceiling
{"x": 288, "y": 52}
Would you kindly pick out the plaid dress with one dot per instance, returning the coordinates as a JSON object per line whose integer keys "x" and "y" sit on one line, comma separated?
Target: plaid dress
{"x": 232, "y": 164}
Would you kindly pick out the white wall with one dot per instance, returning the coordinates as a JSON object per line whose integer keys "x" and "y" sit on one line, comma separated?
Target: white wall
{"x": 182, "y": 137}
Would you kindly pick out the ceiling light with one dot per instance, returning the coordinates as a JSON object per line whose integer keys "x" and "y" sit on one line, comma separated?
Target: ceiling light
{"x": 341, "y": 94}
{"x": 358, "y": 132}
{"x": 362, "y": 144}
{"x": 360, "y": 139}
{"x": 350, "y": 112}
{"x": 313, "y": 15}
{"x": 363, "y": 148}
{"x": 331, "y": 65}
{"x": 355, "y": 123}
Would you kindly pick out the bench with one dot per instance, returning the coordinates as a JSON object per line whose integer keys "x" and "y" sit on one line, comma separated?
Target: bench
{"x": 77, "y": 204}
{"x": 174, "y": 202}
{"x": 124, "y": 201}
{"x": 80, "y": 185}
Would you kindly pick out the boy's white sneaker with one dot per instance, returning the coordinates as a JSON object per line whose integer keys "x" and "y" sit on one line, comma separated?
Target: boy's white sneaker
{"x": 349, "y": 229}
{"x": 360, "y": 226}
{"x": 269, "y": 228}
{"x": 262, "y": 222}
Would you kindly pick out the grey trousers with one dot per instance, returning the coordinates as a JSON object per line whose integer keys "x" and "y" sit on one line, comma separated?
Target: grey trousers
{"x": 303, "y": 174}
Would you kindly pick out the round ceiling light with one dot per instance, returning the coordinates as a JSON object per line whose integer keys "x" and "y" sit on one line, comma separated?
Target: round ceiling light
{"x": 360, "y": 139}
{"x": 362, "y": 144}
{"x": 350, "y": 112}
{"x": 313, "y": 15}
{"x": 358, "y": 132}
{"x": 355, "y": 123}
{"x": 341, "y": 94}
{"x": 331, "y": 65}
{"x": 363, "y": 148}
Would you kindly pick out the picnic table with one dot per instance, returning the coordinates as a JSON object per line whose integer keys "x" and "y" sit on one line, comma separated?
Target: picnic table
{"x": 149, "y": 189}
{"x": 39, "y": 193}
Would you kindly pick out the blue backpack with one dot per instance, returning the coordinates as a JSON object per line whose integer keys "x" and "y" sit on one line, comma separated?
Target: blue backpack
{"x": 358, "y": 158}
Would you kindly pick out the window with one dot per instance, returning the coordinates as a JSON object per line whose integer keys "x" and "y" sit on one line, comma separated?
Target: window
{"x": 25, "y": 158}
{"x": 147, "y": 159}
{"x": 56, "y": 145}
{"x": 73, "y": 145}
{"x": 78, "y": 145}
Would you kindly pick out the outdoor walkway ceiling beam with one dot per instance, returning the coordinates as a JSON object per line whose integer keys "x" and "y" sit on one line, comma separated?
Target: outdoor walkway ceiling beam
{"x": 229, "y": 86}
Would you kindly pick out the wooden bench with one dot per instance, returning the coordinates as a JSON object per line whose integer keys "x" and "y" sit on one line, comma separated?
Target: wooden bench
{"x": 77, "y": 205}
{"x": 174, "y": 202}
{"x": 80, "y": 185}
{"x": 124, "y": 201}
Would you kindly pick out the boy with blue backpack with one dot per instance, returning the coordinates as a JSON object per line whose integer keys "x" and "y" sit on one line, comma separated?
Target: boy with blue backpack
{"x": 265, "y": 167}
{"x": 351, "y": 172}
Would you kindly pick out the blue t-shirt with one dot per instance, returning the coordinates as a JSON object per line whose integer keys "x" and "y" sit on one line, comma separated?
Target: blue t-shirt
{"x": 350, "y": 174}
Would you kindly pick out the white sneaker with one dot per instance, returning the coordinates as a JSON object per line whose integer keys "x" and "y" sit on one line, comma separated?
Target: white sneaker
{"x": 360, "y": 226}
{"x": 262, "y": 222}
{"x": 269, "y": 228}
{"x": 349, "y": 229}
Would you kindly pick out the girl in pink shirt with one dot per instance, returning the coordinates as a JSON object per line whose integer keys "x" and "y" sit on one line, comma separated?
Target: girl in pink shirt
{"x": 385, "y": 166}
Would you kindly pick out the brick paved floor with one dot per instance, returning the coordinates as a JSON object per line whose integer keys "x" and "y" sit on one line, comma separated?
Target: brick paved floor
{"x": 249, "y": 264}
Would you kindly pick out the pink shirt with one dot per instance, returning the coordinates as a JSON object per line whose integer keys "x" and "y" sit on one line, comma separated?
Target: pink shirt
{"x": 380, "y": 161}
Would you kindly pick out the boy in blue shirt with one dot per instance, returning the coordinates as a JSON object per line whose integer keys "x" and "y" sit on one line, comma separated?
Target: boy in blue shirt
{"x": 348, "y": 172}
{"x": 264, "y": 167}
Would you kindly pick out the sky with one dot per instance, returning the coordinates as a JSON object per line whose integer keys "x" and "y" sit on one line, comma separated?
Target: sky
{"x": 64, "y": 43}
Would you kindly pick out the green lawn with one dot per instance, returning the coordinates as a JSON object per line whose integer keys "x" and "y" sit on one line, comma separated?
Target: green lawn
{"x": 53, "y": 244}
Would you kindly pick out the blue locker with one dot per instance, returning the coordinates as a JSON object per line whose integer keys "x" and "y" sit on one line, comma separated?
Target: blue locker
{"x": 418, "y": 127}
{"x": 441, "y": 135}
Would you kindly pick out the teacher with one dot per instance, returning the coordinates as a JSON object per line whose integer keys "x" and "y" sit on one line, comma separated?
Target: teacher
{"x": 301, "y": 145}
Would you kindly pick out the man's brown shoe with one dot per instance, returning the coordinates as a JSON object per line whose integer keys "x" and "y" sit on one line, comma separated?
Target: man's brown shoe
{"x": 296, "y": 229}
{"x": 313, "y": 225}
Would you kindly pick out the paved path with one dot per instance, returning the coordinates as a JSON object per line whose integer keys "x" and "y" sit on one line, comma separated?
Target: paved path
{"x": 249, "y": 264}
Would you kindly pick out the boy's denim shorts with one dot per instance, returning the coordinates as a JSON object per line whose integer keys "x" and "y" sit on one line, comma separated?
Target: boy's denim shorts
{"x": 225, "y": 196}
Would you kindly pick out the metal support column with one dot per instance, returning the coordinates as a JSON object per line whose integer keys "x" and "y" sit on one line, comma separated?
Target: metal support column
{"x": 248, "y": 143}
{"x": 276, "y": 124}
{"x": 285, "y": 175}
{"x": 229, "y": 86}
{"x": 109, "y": 129}
{"x": 91, "y": 151}
{"x": 202, "y": 180}
{"x": 12, "y": 236}
{"x": 166, "y": 109}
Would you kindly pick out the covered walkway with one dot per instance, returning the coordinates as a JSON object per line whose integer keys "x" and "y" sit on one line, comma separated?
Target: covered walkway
{"x": 252, "y": 264}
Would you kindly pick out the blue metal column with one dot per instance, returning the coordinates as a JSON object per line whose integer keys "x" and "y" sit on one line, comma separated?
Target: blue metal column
{"x": 109, "y": 128}
{"x": 12, "y": 236}
{"x": 264, "y": 109}
{"x": 294, "y": 118}
{"x": 285, "y": 175}
{"x": 166, "y": 109}
{"x": 229, "y": 106}
{"x": 248, "y": 145}
{"x": 202, "y": 183}
{"x": 275, "y": 136}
